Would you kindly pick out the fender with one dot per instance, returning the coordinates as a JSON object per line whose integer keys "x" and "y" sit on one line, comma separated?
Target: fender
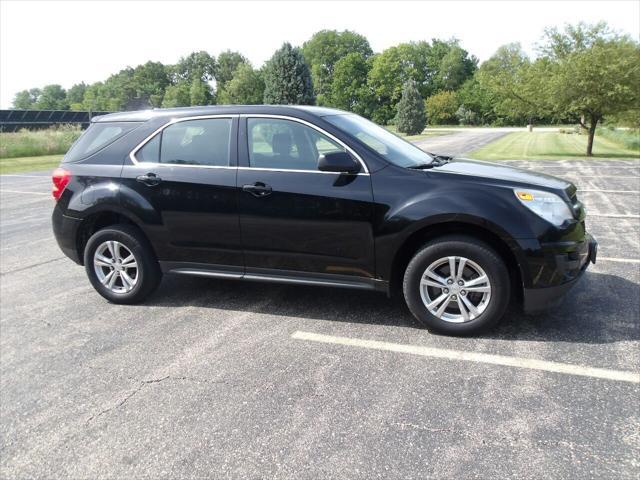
{"x": 438, "y": 204}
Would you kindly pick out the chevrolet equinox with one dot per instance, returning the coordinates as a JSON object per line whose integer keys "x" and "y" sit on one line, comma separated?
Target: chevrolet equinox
{"x": 313, "y": 196}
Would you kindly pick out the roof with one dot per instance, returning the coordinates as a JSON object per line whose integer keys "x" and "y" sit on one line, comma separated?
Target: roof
{"x": 144, "y": 115}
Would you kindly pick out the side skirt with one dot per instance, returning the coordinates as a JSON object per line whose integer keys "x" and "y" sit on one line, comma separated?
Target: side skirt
{"x": 275, "y": 276}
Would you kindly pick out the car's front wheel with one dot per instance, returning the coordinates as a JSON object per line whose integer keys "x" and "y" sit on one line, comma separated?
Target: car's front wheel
{"x": 457, "y": 285}
{"x": 121, "y": 265}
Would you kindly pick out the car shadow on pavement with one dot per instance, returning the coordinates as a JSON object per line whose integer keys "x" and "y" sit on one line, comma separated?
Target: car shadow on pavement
{"x": 602, "y": 308}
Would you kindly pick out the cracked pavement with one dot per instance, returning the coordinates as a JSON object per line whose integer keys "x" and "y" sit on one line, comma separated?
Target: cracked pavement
{"x": 204, "y": 380}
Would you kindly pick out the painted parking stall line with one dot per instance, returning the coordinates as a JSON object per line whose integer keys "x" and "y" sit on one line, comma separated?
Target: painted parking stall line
{"x": 618, "y": 260}
{"x": 4, "y": 190}
{"x": 593, "y": 190}
{"x": 612, "y": 215}
{"x": 475, "y": 357}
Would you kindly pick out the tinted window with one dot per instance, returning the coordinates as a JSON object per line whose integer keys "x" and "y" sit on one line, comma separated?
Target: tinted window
{"x": 97, "y": 136}
{"x": 391, "y": 147}
{"x": 193, "y": 142}
{"x": 285, "y": 144}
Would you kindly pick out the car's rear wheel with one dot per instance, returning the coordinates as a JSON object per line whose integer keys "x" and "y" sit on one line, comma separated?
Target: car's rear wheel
{"x": 121, "y": 265}
{"x": 457, "y": 285}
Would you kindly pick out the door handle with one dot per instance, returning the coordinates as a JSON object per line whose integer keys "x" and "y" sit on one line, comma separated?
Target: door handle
{"x": 257, "y": 189}
{"x": 149, "y": 179}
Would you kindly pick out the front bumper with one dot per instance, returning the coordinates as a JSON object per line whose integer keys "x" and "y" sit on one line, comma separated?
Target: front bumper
{"x": 568, "y": 267}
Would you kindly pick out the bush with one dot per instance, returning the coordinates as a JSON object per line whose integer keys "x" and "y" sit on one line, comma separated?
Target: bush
{"x": 629, "y": 138}
{"x": 32, "y": 143}
{"x": 466, "y": 116}
{"x": 442, "y": 108}
{"x": 411, "y": 118}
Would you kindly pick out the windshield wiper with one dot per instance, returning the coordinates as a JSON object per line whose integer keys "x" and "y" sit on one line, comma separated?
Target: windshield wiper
{"x": 439, "y": 160}
{"x": 436, "y": 161}
{"x": 422, "y": 166}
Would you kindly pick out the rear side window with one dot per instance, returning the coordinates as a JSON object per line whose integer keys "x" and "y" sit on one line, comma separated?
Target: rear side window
{"x": 194, "y": 142}
{"x": 98, "y": 136}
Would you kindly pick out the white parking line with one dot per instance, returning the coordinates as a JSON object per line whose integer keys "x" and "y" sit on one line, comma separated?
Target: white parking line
{"x": 589, "y": 190}
{"x": 577, "y": 175}
{"x": 24, "y": 176}
{"x": 518, "y": 362}
{"x": 589, "y": 166}
{"x": 4, "y": 190}
{"x": 619, "y": 260}
{"x": 612, "y": 215}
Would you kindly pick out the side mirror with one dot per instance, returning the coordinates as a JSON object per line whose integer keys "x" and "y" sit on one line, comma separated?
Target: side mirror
{"x": 340, "y": 162}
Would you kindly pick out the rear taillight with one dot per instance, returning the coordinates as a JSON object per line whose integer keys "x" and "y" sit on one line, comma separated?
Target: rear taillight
{"x": 60, "y": 179}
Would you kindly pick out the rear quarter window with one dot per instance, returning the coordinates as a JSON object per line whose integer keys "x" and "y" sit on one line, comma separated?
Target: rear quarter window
{"x": 96, "y": 137}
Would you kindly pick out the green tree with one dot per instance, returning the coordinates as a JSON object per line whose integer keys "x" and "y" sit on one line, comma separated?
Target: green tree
{"x": 53, "y": 97}
{"x": 349, "y": 88}
{"x": 150, "y": 81}
{"x": 177, "y": 95}
{"x": 448, "y": 66}
{"x": 455, "y": 68}
{"x": 411, "y": 118}
{"x": 75, "y": 96}
{"x": 287, "y": 79}
{"x": 442, "y": 108}
{"x": 245, "y": 88}
{"x": 199, "y": 93}
{"x": 514, "y": 83}
{"x": 195, "y": 65}
{"x": 323, "y": 50}
{"x": 590, "y": 72}
{"x": 476, "y": 102}
{"x": 390, "y": 71}
{"x": 25, "y": 99}
{"x": 228, "y": 62}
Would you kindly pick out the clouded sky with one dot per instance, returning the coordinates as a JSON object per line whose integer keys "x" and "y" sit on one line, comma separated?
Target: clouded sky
{"x": 69, "y": 42}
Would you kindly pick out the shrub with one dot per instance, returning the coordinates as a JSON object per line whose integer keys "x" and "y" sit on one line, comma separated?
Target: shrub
{"x": 31, "y": 143}
{"x": 442, "y": 108}
{"x": 411, "y": 118}
{"x": 629, "y": 138}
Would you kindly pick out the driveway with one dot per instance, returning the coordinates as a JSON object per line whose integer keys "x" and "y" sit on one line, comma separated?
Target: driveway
{"x": 460, "y": 142}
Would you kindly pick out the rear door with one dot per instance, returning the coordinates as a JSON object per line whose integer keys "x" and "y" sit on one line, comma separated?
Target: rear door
{"x": 186, "y": 176}
{"x": 296, "y": 220}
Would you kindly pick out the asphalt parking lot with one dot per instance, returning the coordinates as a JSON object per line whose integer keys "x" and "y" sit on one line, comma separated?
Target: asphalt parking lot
{"x": 221, "y": 379}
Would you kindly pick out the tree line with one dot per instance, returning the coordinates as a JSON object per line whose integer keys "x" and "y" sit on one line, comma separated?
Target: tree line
{"x": 582, "y": 74}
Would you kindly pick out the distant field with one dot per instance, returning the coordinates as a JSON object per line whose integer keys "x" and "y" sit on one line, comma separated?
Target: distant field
{"x": 26, "y": 164}
{"x": 30, "y": 143}
{"x": 552, "y": 146}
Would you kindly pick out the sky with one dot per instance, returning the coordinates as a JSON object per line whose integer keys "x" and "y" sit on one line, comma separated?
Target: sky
{"x": 66, "y": 42}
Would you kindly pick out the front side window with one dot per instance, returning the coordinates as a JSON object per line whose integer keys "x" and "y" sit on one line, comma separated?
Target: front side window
{"x": 286, "y": 145}
{"x": 391, "y": 147}
{"x": 193, "y": 142}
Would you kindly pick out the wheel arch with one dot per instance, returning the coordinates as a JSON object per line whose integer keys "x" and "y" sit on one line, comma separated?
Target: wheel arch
{"x": 100, "y": 219}
{"x": 413, "y": 242}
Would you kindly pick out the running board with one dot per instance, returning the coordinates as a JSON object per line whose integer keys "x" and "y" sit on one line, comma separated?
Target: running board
{"x": 291, "y": 278}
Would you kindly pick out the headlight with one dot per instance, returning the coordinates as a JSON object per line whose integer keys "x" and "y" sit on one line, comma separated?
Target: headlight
{"x": 546, "y": 205}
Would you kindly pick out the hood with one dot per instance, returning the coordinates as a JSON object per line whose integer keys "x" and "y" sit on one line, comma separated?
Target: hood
{"x": 505, "y": 173}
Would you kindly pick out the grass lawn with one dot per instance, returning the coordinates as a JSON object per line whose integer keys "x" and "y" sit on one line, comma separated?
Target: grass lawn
{"x": 420, "y": 136}
{"x": 27, "y": 164}
{"x": 551, "y": 146}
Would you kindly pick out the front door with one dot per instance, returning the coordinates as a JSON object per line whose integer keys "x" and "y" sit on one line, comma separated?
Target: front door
{"x": 187, "y": 176}
{"x": 296, "y": 220}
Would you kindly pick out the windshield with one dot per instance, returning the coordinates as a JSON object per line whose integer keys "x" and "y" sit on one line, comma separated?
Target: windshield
{"x": 391, "y": 147}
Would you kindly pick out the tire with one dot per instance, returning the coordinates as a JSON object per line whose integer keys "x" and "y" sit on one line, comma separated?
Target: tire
{"x": 130, "y": 284}
{"x": 489, "y": 299}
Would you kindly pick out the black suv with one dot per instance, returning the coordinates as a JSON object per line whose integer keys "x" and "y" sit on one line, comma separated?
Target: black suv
{"x": 313, "y": 196}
